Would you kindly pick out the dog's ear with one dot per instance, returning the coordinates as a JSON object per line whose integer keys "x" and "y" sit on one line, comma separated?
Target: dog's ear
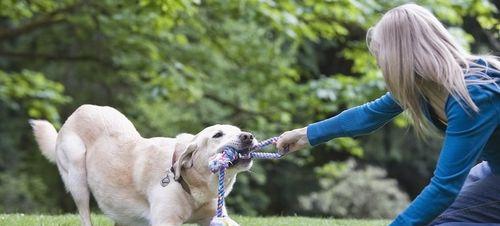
{"x": 183, "y": 157}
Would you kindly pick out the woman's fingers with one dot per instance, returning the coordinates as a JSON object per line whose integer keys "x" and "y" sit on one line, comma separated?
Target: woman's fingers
{"x": 292, "y": 140}
{"x": 284, "y": 140}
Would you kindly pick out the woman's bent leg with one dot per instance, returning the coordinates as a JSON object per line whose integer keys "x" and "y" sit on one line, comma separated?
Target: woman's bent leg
{"x": 477, "y": 202}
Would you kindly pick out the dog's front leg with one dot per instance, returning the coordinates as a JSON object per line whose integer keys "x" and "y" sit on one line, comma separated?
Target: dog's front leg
{"x": 223, "y": 221}
{"x": 169, "y": 206}
{"x": 219, "y": 221}
{"x": 229, "y": 221}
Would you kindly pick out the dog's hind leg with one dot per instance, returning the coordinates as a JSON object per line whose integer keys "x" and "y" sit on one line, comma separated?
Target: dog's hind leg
{"x": 71, "y": 157}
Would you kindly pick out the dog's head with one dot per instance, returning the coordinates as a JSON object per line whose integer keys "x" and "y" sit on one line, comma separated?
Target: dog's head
{"x": 194, "y": 152}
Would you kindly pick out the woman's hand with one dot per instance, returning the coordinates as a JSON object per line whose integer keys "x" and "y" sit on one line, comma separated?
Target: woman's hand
{"x": 293, "y": 140}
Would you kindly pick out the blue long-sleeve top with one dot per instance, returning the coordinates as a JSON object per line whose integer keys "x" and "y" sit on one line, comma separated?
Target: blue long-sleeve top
{"x": 469, "y": 136}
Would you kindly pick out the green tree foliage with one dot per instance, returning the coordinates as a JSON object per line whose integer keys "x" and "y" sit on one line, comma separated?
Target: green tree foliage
{"x": 178, "y": 66}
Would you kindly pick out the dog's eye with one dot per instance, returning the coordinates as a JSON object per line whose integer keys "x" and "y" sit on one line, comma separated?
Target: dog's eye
{"x": 218, "y": 134}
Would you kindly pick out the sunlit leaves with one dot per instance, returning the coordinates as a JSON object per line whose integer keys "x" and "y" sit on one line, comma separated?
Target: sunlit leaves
{"x": 30, "y": 90}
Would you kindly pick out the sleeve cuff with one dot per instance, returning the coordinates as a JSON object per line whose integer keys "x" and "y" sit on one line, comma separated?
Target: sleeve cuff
{"x": 324, "y": 131}
{"x": 312, "y": 135}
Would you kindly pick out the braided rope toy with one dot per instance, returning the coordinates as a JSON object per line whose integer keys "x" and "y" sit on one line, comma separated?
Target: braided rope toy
{"x": 229, "y": 155}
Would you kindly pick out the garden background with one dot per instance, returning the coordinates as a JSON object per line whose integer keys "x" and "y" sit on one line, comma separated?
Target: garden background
{"x": 179, "y": 66}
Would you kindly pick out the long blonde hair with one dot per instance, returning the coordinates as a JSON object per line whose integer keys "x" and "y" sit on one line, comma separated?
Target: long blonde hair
{"x": 421, "y": 61}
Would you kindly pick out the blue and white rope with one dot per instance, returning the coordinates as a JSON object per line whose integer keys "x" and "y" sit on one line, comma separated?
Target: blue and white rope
{"x": 220, "y": 192}
{"x": 265, "y": 155}
{"x": 229, "y": 155}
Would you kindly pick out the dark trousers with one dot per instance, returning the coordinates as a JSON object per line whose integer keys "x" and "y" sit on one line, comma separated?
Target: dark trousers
{"x": 477, "y": 204}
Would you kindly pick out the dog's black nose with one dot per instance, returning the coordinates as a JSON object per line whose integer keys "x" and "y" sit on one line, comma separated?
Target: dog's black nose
{"x": 246, "y": 137}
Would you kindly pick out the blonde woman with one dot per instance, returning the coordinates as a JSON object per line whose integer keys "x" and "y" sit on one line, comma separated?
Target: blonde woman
{"x": 442, "y": 88}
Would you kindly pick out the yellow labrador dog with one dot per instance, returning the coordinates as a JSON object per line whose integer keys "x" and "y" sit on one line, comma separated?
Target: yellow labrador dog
{"x": 136, "y": 180}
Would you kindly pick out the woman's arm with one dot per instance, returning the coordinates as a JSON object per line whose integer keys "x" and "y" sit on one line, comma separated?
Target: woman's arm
{"x": 465, "y": 138}
{"x": 355, "y": 121}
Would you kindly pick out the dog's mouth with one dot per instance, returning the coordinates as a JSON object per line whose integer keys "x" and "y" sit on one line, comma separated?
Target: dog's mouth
{"x": 240, "y": 161}
{"x": 242, "y": 150}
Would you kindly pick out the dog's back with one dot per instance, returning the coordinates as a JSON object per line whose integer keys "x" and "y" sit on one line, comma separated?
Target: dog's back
{"x": 89, "y": 122}
{"x": 92, "y": 122}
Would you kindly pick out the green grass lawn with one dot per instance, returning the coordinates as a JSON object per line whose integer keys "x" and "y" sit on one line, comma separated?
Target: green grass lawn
{"x": 98, "y": 220}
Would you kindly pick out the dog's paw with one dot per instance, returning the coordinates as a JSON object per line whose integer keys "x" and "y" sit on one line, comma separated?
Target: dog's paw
{"x": 223, "y": 221}
{"x": 232, "y": 222}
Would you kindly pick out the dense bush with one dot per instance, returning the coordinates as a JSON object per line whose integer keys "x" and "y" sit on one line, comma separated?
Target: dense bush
{"x": 21, "y": 193}
{"x": 356, "y": 193}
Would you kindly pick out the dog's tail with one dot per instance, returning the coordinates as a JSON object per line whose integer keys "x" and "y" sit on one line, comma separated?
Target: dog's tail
{"x": 45, "y": 136}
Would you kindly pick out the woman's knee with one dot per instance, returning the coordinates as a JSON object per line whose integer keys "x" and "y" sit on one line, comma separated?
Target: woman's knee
{"x": 478, "y": 172}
